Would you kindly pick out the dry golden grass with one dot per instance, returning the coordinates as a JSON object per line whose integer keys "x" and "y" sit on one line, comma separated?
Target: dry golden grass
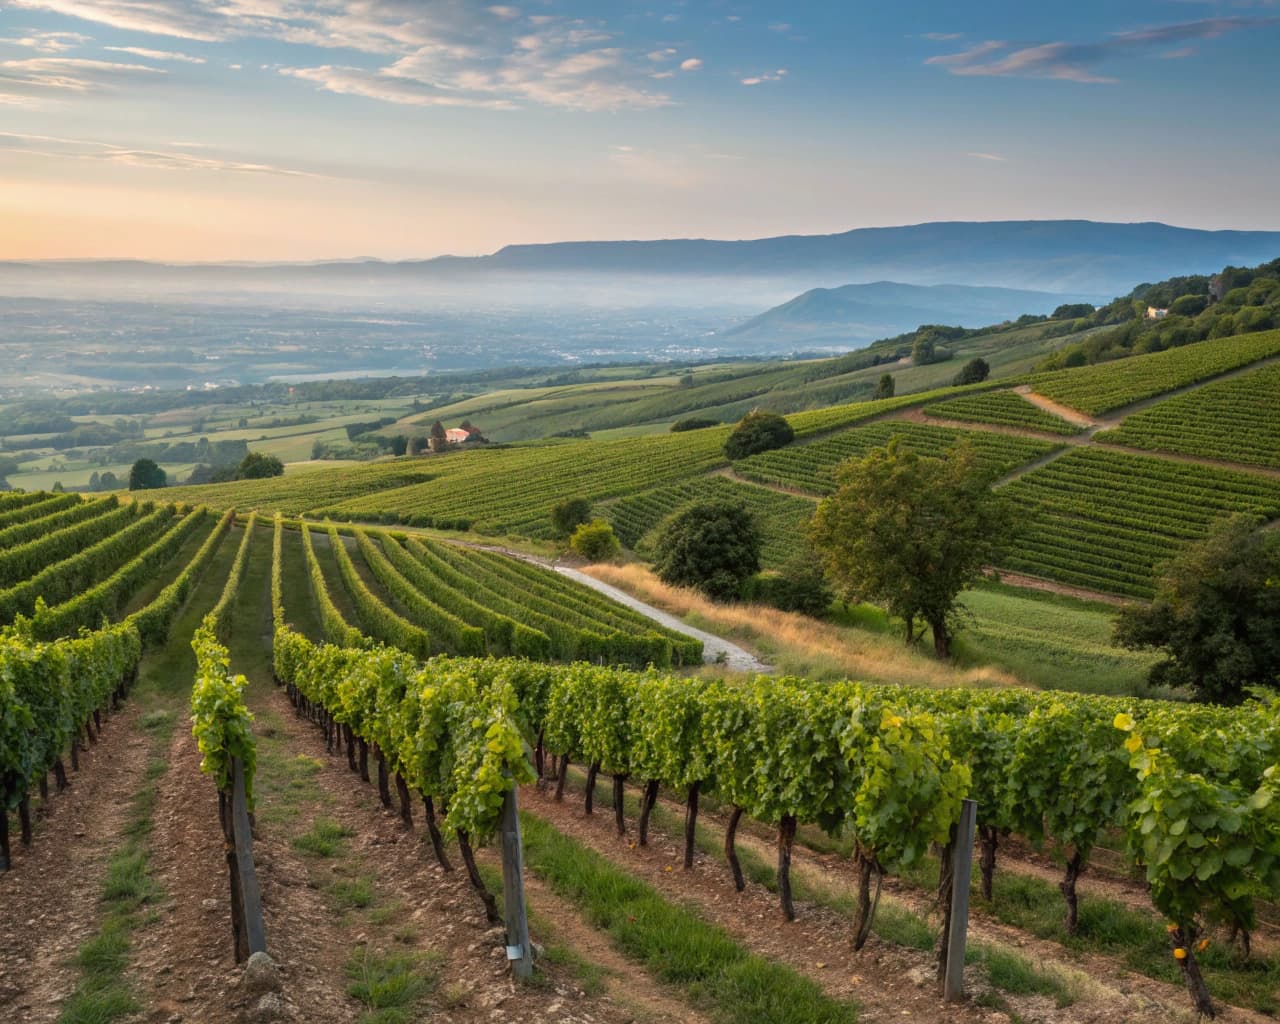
{"x": 797, "y": 644}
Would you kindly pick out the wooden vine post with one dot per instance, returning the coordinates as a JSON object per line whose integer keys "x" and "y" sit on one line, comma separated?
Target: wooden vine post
{"x": 958, "y": 925}
{"x": 519, "y": 949}
{"x": 247, "y": 926}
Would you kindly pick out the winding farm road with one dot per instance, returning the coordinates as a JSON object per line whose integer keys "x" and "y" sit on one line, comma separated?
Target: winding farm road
{"x": 712, "y": 646}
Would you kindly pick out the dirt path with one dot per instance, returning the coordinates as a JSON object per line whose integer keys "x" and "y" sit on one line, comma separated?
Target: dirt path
{"x": 183, "y": 962}
{"x": 1017, "y": 579}
{"x": 714, "y": 649}
{"x": 1063, "y": 412}
{"x": 416, "y": 908}
{"x": 50, "y": 898}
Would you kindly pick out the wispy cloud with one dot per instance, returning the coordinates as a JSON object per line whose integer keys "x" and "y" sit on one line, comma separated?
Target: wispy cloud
{"x": 942, "y": 37}
{"x": 986, "y": 156}
{"x": 34, "y": 79}
{"x": 768, "y": 76}
{"x": 448, "y": 52}
{"x": 692, "y": 64}
{"x": 1079, "y": 62}
{"x": 142, "y": 51}
{"x": 48, "y": 42}
{"x": 155, "y": 159}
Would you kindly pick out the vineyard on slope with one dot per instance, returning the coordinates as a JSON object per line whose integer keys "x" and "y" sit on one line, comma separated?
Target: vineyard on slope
{"x": 887, "y": 765}
{"x": 811, "y": 467}
{"x": 1003, "y": 408}
{"x": 1106, "y": 386}
{"x": 1105, "y": 519}
{"x": 1235, "y": 420}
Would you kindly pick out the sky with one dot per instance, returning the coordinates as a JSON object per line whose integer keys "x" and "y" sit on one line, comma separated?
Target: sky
{"x": 198, "y": 130}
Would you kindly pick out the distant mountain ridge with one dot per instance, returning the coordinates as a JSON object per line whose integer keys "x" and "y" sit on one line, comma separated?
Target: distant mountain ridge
{"x": 1066, "y": 256}
{"x": 856, "y": 314}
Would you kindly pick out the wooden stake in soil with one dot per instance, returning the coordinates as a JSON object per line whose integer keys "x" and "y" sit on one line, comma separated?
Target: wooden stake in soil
{"x": 247, "y": 876}
{"x": 962, "y": 871}
{"x": 519, "y": 948}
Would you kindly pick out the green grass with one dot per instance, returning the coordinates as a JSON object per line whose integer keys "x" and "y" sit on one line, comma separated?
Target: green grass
{"x": 323, "y": 839}
{"x": 1052, "y": 641}
{"x": 390, "y": 986}
{"x": 353, "y": 893}
{"x": 894, "y": 922}
{"x": 717, "y": 975}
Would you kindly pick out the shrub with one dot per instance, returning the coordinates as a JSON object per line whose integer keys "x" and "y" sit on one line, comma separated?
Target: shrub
{"x": 595, "y": 541}
{"x": 758, "y": 432}
{"x": 713, "y": 546}
{"x": 693, "y": 423}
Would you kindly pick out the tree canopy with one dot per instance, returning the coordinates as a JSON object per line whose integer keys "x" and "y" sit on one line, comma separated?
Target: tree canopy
{"x": 975, "y": 371}
{"x": 259, "y": 466}
{"x": 568, "y": 515}
{"x": 758, "y": 432}
{"x": 713, "y": 546}
{"x": 145, "y": 475}
{"x": 1216, "y": 614}
{"x": 910, "y": 533}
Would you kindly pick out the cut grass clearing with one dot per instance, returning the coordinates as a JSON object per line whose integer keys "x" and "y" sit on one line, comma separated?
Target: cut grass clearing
{"x": 716, "y": 974}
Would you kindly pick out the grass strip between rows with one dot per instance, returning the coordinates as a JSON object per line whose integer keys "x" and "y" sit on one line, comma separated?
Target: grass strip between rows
{"x": 717, "y": 975}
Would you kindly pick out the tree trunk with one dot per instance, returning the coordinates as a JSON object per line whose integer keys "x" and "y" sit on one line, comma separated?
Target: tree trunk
{"x": 646, "y": 807}
{"x": 89, "y": 733}
{"x": 44, "y": 793}
{"x": 588, "y": 805}
{"x": 730, "y": 849}
{"x": 866, "y": 911}
{"x": 941, "y": 638}
{"x": 97, "y": 719}
{"x": 619, "y": 792}
{"x": 1185, "y": 938}
{"x": 473, "y": 873}
{"x": 384, "y": 784}
{"x": 24, "y": 819}
{"x": 351, "y": 748}
{"x": 539, "y": 757}
{"x": 433, "y": 830}
{"x": 60, "y": 775}
{"x": 5, "y": 862}
{"x": 786, "y": 836}
{"x": 989, "y": 839}
{"x": 402, "y": 792}
{"x": 690, "y": 824}
{"x": 564, "y": 775}
{"x": 1068, "y": 889}
{"x": 75, "y": 753}
{"x": 364, "y": 759}
{"x": 911, "y": 630}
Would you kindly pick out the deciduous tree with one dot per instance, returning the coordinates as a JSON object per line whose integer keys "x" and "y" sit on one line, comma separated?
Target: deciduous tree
{"x": 910, "y": 533}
